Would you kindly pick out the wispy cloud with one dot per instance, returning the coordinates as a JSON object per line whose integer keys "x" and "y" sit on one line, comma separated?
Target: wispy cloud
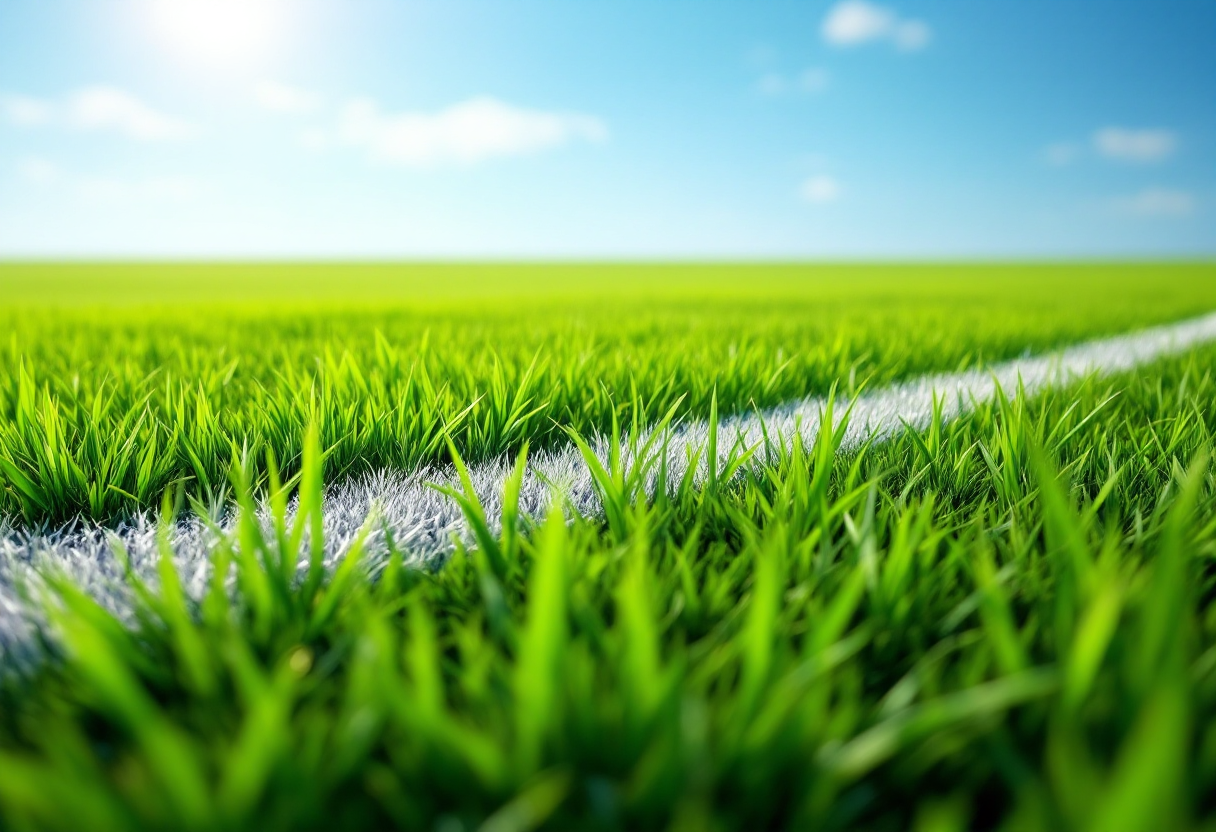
{"x": 858, "y": 22}
{"x": 1117, "y": 144}
{"x": 98, "y": 108}
{"x": 108, "y": 108}
{"x": 286, "y": 99}
{"x": 820, "y": 190}
{"x": 1155, "y": 202}
{"x": 467, "y": 133}
{"x": 1128, "y": 145}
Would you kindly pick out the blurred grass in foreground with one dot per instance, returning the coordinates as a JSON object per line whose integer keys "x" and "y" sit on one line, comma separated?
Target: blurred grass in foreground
{"x": 1004, "y": 622}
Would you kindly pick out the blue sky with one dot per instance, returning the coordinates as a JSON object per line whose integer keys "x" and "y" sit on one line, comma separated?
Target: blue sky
{"x": 563, "y": 129}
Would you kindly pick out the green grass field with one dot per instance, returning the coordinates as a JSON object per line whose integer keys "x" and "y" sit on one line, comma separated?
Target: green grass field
{"x": 118, "y": 381}
{"x": 1004, "y": 621}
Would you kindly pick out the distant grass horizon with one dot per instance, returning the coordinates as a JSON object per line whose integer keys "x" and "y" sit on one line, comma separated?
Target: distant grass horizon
{"x": 124, "y": 281}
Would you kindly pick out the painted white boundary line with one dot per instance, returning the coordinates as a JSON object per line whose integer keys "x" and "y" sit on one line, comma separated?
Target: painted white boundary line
{"x": 425, "y": 524}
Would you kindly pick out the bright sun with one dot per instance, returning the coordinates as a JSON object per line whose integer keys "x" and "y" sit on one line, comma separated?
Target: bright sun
{"x": 223, "y": 32}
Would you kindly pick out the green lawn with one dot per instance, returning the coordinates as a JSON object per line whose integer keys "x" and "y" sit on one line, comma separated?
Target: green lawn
{"x": 117, "y": 381}
{"x": 1002, "y": 622}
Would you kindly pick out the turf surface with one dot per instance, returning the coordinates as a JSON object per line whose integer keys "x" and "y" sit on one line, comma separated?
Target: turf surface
{"x": 1004, "y": 621}
{"x": 118, "y": 381}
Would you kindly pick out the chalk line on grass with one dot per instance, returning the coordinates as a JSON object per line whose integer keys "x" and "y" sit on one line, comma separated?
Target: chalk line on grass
{"x": 426, "y": 525}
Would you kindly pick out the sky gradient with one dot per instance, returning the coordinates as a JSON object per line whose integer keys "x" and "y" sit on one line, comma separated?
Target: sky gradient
{"x": 562, "y": 129}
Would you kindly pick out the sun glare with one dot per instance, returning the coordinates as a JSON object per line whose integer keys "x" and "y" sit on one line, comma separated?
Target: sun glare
{"x": 224, "y": 32}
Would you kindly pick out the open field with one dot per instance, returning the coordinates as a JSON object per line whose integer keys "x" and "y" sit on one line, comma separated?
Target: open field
{"x": 1002, "y": 620}
{"x": 116, "y": 382}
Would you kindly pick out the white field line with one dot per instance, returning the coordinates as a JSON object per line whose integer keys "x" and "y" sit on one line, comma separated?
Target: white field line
{"x": 426, "y": 524}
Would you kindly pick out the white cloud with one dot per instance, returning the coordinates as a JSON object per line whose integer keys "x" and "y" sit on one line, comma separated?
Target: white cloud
{"x": 284, "y": 98}
{"x": 1126, "y": 145}
{"x": 98, "y": 108}
{"x": 820, "y": 190}
{"x": 108, "y": 108}
{"x": 1155, "y": 202}
{"x": 25, "y": 111}
{"x": 463, "y": 134}
{"x": 857, "y": 22}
